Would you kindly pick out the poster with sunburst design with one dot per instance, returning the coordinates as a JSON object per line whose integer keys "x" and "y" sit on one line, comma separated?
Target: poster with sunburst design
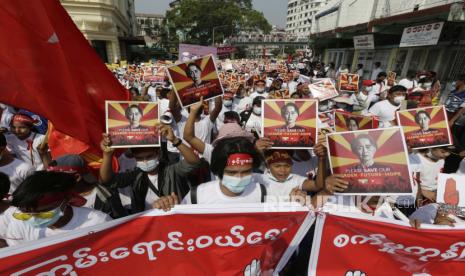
{"x": 425, "y": 127}
{"x": 348, "y": 82}
{"x": 195, "y": 79}
{"x": 290, "y": 124}
{"x": 346, "y": 121}
{"x": 374, "y": 162}
{"x": 323, "y": 89}
{"x": 132, "y": 124}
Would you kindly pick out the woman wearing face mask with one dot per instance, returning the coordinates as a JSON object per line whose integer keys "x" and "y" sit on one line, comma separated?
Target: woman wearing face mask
{"x": 252, "y": 120}
{"x": 153, "y": 177}
{"x": 386, "y": 110}
{"x": 233, "y": 161}
{"x": 46, "y": 205}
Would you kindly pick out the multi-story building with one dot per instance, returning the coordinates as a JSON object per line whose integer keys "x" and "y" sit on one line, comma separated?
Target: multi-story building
{"x": 109, "y": 25}
{"x": 402, "y": 35}
{"x": 300, "y": 16}
{"x": 150, "y": 27}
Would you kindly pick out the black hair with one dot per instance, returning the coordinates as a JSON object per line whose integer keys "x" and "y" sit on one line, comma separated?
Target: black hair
{"x": 354, "y": 142}
{"x": 257, "y": 100}
{"x": 262, "y": 81}
{"x": 359, "y": 65}
{"x": 232, "y": 115}
{"x": 2, "y": 140}
{"x": 126, "y": 112}
{"x": 378, "y": 63}
{"x": 348, "y": 119}
{"x": 188, "y": 71}
{"x": 461, "y": 77}
{"x": 229, "y": 146}
{"x": 164, "y": 93}
{"x": 381, "y": 74}
{"x": 396, "y": 88}
{"x": 35, "y": 186}
{"x": 134, "y": 89}
{"x": 4, "y": 185}
{"x": 284, "y": 108}
{"x": 417, "y": 116}
{"x": 411, "y": 74}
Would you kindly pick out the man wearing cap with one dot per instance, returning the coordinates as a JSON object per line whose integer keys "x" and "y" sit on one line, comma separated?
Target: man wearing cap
{"x": 47, "y": 205}
{"x": 28, "y": 145}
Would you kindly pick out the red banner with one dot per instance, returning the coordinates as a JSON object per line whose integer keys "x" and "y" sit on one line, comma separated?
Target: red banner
{"x": 369, "y": 246}
{"x": 199, "y": 240}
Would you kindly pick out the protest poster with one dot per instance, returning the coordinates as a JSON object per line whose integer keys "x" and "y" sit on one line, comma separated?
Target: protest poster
{"x": 132, "y": 124}
{"x": 346, "y": 121}
{"x": 326, "y": 120}
{"x": 323, "y": 89}
{"x": 374, "y": 162}
{"x": 290, "y": 124}
{"x": 348, "y": 82}
{"x": 190, "y": 239}
{"x": 391, "y": 78}
{"x": 451, "y": 194}
{"x": 352, "y": 244}
{"x": 194, "y": 79}
{"x": 425, "y": 127}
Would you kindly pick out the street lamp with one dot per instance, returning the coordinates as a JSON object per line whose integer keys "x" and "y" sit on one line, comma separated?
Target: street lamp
{"x": 214, "y": 28}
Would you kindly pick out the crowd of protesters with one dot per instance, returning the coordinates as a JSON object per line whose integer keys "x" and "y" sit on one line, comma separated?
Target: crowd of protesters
{"x": 217, "y": 154}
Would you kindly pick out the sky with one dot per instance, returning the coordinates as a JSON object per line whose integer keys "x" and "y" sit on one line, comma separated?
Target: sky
{"x": 274, "y": 10}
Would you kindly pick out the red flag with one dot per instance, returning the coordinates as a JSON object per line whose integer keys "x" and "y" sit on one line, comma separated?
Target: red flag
{"x": 49, "y": 68}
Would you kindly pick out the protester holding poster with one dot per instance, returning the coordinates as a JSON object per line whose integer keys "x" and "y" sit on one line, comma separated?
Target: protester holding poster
{"x": 195, "y": 79}
{"x": 385, "y": 110}
{"x": 346, "y": 121}
{"x": 348, "y": 82}
{"x": 290, "y": 123}
{"x": 132, "y": 124}
{"x": 323, "y": 89}
{"x": 425, "y": 127}
{"x": 372, "y": 161}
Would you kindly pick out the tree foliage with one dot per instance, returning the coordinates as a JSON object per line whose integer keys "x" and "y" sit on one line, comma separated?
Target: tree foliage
{"x": 193, "y": 21}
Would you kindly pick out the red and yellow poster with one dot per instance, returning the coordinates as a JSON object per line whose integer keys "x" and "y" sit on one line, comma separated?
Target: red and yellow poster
{"x": 348, "y": 82}
{"x": 132, "y": 124}
{"x": 290, "y": 124}
{"x": 195, "y": 79}
{"x": 345, "y": 121}
{"x": 374, "y": 162}
{"x": 425, "y": 127}
{"x": 323, "y": 89}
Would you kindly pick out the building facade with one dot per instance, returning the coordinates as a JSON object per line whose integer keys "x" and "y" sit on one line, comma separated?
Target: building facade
{"x": 402, "y": 35}
{"x": 149, "y": 26}
{"x": 109, "y": 25}
{"x": 300, "y": 16}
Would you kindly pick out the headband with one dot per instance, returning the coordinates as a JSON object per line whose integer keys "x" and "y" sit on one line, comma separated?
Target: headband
{"x": 67, "y": 169}
{"x": 279, "y": 156}
{"x": 239, "y": 159}
{"x": 22, "y": 118}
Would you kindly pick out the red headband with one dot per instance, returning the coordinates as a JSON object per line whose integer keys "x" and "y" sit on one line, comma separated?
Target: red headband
{"x": 21, "y": 118}
{"x": 74, "y": 198}
{"x": 279, "y": 156}
{"x": 239, "y": 159}
{"x": 67, "y": 169}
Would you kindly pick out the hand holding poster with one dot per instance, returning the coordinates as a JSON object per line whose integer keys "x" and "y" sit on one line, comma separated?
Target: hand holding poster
{"x": 132, "y": 124}
{"x": 346, "y": 121}
{"x": 425, "y": 127}
{"x": 195, "y": 79}
{"x": 290, "y": 124}
{"x": 323, "y": 89}
{"x": 193, "y": 239}
{"x": 348, "y": 82}
{"x": 368, "y": 246}
{"x": 374, "y": 162}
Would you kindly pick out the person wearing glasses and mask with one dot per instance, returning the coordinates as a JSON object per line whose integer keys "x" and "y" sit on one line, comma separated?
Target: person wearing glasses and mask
{"x": 47, "y": 205}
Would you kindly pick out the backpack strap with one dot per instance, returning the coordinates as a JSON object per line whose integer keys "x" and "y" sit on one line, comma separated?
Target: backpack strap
{"x": 194, "y": 195}
{"x": 263, "y": 191}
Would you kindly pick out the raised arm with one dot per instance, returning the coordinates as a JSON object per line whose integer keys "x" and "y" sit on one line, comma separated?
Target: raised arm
{"x": 216, "y": 111}
{"x": 189, "y": 129}
{"x": 188, "y": 154}
{"x": 106, "y": 171}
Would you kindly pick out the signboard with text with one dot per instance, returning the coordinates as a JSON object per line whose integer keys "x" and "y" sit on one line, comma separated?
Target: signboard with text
{"x": 421, "y": 35}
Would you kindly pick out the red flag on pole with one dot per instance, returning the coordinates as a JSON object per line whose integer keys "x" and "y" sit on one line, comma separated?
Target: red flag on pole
{"x": 49, "y": 68}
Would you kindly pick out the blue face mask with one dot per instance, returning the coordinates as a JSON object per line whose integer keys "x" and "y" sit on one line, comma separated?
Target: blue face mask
{"x": 236, "y": 184}
{"x": 43, "y": 223}
{"x": 147, "y": 166}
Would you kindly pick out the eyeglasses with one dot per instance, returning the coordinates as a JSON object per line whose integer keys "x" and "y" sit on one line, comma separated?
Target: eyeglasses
{"x": 42, "y": 215}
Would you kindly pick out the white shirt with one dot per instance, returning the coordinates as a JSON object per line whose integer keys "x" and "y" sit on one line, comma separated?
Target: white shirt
{"x": 152, "y": 92}
{"x": 5, "y": 219}
{"x": 19, "y": 232}
{"x": 428, "y": 171}
{"x": 254, "y": 122}
{"x": 256, "y": 94}
{"x": 20, "y": 149}
{"x": 220, "y": 119}
{"x": 203, "y": 129}
{"x": 376, "y": 71}
{"x": 243, "y": 104}
{"x": 385, "y": 112}
{"x": 210, "y": 193}
{"x": 5, "y": 116}
{"x": 164, "y": 105}
{"x": 276, "y": 190}
{"x": 409, "y": 84}
{"x": 17, "y": 171}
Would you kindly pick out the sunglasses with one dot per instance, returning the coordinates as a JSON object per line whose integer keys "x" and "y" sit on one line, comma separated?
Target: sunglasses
{"x": 42, "y": 215}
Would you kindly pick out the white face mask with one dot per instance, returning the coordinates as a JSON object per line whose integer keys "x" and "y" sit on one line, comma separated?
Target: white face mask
{"x": 427, "y": 85}
{"x": 399, "y": 99}
{"x": 260, "y": 89}
{"x": 227, "y": 103}
{"x": 257, "y": 110}
{"x": 148, "y": 166}
{"x": 369, "y": 89}
{"x": 362, "y": 97}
